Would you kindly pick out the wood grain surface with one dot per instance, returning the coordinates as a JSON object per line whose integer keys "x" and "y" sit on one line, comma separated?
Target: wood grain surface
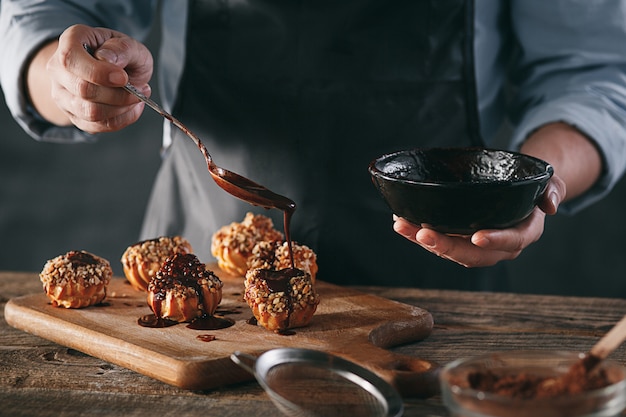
{"x": 41, "y": 378}
{"x": 348, "y": 323}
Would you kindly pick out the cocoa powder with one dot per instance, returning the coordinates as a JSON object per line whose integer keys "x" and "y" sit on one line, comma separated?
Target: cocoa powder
{"x": 526, "y": 385}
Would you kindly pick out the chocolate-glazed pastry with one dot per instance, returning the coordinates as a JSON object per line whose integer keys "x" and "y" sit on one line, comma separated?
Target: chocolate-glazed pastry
{"x": 281, "y": 300}
{"x": 76, "y": 279}
{"x": 184, "y": 290}
{"x": 275, "y": 255}
{"x": 142, "y": 260}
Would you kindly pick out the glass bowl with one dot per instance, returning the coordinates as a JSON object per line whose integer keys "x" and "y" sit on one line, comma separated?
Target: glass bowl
{"x": 464, "y": 401}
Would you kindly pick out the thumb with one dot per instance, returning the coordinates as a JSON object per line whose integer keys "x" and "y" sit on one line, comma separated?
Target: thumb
{"x": 116, "y": 76}
{"x": 553, "y": 195}
{"x": 130, "y": 55}
{"x": 107, "y": 54}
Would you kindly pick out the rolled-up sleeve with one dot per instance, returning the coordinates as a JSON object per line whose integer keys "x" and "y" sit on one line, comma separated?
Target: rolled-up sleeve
{"x": 572, "y": 68}
{"x": 26, "y": 25}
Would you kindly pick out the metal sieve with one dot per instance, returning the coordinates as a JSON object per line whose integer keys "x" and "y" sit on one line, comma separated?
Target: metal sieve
{"x": 310, "y": 383}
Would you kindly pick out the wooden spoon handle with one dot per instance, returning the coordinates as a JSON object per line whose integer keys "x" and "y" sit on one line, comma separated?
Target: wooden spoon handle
{"x": 610, "y": 341}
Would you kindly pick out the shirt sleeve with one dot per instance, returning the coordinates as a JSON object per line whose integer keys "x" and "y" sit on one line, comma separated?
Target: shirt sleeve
{"x": 572, "y": 68}
{"x": 27, "y": 25}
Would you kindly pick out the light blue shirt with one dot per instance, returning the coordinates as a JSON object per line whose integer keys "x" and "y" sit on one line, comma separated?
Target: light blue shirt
{"x": 569, "y": 65}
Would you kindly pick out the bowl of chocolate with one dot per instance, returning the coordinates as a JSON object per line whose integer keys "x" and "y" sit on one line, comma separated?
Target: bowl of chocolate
{"x": 532, "y": 384}
{"x": 460, "y": 190}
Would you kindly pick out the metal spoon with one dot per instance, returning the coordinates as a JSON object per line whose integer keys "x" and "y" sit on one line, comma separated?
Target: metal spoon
{"x": 233, "y": 183}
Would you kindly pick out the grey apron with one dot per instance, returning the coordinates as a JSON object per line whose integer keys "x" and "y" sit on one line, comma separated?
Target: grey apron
{"x": 300, "y": 96}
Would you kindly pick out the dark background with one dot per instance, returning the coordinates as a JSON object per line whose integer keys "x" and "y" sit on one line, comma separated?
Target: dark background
{"x": 55, "y": 198}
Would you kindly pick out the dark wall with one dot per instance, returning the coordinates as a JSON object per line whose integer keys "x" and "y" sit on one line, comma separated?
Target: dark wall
{"x": 54, "y": 198}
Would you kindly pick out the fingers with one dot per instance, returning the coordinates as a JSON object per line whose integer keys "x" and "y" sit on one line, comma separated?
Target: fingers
{"x": 69, "y": 84}
{"x": 87, "y": 88}
{"x": 461, "y": 250}
{"x": 553, "y": 195}
{"x": 457, "y": 249}
{"x": 483, "y": 248}
{"x": 514, "y": 239}
{"x": 405, "y": 228}
{"x": 71, "y": 56}
{"x": 487, "y": 247}
{"x": 129, "y": 54}
{"x": 100, "y": 118}
{"x": 95, "y": 109}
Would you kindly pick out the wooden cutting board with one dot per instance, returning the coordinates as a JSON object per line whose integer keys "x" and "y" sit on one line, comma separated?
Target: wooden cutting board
{"x": 348, "y": 323}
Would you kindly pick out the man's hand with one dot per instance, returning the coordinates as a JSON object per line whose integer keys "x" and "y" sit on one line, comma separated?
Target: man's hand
{"x": 487, "y": 247}
{"x": 67, "y": 85}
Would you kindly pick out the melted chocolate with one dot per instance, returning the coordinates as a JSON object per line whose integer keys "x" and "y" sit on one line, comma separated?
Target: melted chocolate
{"x": 81, "y": 258}
{"x": 210, "y": 323}
{"x": 186, "y": 270}
{"x": 254, "y": 194}
{"x": 183, "y": 269}
{"x": 152, "y": 320}
{"x": 201, "y": 323}
{"x": 248, "y": 191}
{"x": 242, "y": 187}
{"x": 279, "y": 281}
{"x": 103, "y": 304}
{"x": 287, "y": 214}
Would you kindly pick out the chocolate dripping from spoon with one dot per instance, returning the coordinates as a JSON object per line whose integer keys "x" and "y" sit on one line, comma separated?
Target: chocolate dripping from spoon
{"x": 231, "y": 182}
{"x": 245, "y": 189}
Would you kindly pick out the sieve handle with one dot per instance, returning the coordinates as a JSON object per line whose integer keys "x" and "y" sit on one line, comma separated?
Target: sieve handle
{"x": 244, "y": 360}
{"x": 411, "y": 376}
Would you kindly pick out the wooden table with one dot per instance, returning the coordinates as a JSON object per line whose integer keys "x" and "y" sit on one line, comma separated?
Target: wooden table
{"x": 41, "y": 378}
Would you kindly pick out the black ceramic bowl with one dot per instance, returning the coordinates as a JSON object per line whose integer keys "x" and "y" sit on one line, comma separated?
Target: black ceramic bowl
{"x": 460, "y": 190}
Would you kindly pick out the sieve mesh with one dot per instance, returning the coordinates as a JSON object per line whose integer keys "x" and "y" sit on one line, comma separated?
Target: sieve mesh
{"x": 301, "y": 389}
{"x": 310, "y": 383}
